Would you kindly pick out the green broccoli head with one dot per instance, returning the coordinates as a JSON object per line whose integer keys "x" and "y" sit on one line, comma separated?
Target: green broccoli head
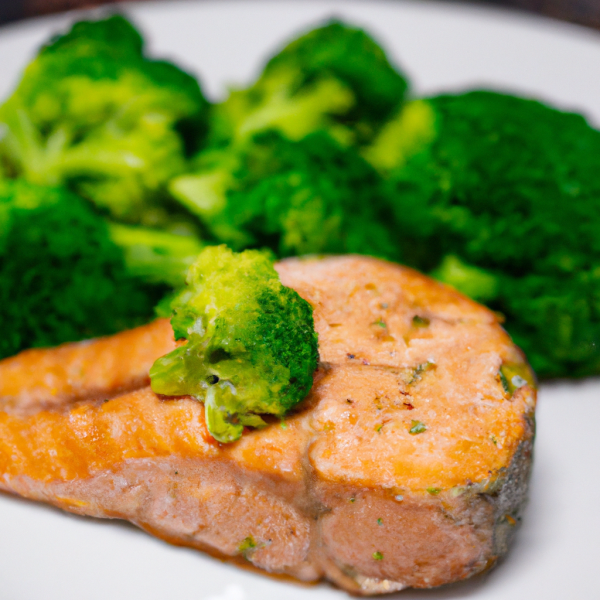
{"x": 251, "y": 345}
{"x": 335, "y": 77}
{"x": 499, "y": 196}
{"x": 308, "y": 196}
{"x": 91, "y": 111}
{"x": 63, "y": 279}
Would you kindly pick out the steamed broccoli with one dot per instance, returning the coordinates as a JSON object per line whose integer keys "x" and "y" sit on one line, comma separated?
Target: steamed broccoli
{"x": 155, "y": 256}
{"x": 334, "y": 77}
{"x": 92, "y": 112}
{"x": 62, "y": 278}
{"x": 251, "y": 345}
{"x": 500, "y": 197}
{"x": 308, "y": 196}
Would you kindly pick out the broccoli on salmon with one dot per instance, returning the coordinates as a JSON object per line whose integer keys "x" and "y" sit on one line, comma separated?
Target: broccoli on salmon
{"x": 251, "y": 344}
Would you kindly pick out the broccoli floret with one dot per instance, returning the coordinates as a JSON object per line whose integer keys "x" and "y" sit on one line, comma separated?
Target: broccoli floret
{"x": 251, "y": 345}
{"x": 499, "y": 196}
{"x": 62, "y": 278}
{"x": 92, "y": 112}
{"x": 308, "y": 196}
{"x": 335, "y": 77}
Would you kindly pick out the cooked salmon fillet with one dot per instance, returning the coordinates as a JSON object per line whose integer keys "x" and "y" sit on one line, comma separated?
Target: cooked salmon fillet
{"x": 407, "y": 465}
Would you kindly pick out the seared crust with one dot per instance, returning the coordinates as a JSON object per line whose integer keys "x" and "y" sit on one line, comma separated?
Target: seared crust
{"x": 100, "y": 368}
{"x": 342, "y": 489}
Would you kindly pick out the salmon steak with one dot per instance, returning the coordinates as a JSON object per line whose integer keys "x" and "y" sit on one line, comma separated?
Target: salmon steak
{"x": 407, "y": 465}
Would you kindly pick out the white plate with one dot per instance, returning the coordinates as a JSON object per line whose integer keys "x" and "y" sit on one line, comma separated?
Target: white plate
{"x": 47, "y": 554}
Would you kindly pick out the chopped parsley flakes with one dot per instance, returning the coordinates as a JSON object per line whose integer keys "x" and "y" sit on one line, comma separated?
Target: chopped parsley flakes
{"x": 417, "y": 427}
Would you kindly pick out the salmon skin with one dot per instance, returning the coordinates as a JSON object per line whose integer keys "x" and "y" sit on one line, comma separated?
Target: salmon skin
{"x": 406, "y": 466}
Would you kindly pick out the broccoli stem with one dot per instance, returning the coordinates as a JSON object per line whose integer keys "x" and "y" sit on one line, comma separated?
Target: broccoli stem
{"x": 156, "y": 256}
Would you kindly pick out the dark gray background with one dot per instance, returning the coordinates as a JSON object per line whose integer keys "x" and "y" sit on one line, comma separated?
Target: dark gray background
{"x": 584, "y": 12}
